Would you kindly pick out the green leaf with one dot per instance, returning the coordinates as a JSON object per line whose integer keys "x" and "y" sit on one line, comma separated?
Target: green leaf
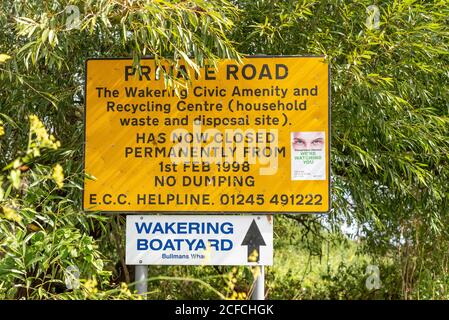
{"x": 45, "y": 34}
{"x": 15, "y": 178}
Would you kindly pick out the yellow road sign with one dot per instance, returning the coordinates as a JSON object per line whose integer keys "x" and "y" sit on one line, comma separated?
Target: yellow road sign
{"x": 250, "y": 137}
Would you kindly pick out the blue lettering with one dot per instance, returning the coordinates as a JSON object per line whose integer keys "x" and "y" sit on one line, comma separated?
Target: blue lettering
{"x": 169, "y": 245}
{"x": 178, "y": 243}
{"x": 223, "y": 246}
{"x": 153, "y": 242}
{"x": 143, "y": 226}
{"x": 200, "y": 245}
{"x": 182, "y": 226}
{"x": 158, "y": 228}
{"x": 190, "y": 243}
{"x": 142, "y": 244}
{"x": 195, "y": 226}
{"x": 227, "y": 228}
{"x": 210, "y": 227}
{"x": 169, "y": 228}
{"x": 214, "y": 244}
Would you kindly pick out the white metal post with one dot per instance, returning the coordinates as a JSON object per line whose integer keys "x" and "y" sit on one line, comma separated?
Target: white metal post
{"x": 259, "y": 288}
{"x": 142, "y": 280}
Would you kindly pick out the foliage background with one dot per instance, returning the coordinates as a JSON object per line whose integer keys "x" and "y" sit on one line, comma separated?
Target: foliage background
{"x": 390, "y": 145}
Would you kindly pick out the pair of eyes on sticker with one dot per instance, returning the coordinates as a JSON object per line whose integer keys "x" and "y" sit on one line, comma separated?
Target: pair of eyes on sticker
{"x": 314, "y": 142}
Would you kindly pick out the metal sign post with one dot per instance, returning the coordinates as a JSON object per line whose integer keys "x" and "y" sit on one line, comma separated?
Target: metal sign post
{"x": 259, "y": 288}
{"x": 142, "y": 280}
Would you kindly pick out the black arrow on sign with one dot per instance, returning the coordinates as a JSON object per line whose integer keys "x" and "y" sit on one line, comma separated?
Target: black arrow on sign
{"x": 253, "y": 239}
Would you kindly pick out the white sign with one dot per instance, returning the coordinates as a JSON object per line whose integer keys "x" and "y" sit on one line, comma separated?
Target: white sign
{"x": 199, "y": 240}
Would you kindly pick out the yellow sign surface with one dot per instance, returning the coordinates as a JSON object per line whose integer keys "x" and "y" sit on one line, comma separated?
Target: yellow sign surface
{"x": 249, "y": 137}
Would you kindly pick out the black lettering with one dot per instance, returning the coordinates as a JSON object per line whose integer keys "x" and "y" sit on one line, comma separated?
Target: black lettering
{"x": 265, "y": 72}
{"x": 93, "y": 198}
{"x": 244, "y": 73}
{"x": 145, "y": 71}
{"x": 279, "y": 68}
{"x": 110, "y": 106}
{"x": 231, "y": 69}
{"x": 209, "y": 73}
{"x": 107, "y": 199}
{"x": 129, "y": 71}
{"x": 182, "y": 72}
{"x": 120, "y": 197}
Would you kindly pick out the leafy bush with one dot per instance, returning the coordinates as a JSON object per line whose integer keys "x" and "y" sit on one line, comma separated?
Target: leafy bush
{"x": 389, "y": 143}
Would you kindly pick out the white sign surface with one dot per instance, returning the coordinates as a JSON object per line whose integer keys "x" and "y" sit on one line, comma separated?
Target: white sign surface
{"x": 199, "y": 240}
